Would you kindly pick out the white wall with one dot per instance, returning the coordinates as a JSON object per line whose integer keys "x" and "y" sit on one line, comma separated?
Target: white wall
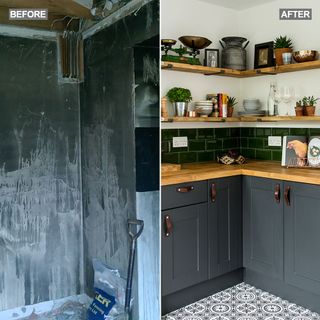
{"x": 194, "y": 17}
{"x": 264, "y": 25}
{"x": 259, "y": 24}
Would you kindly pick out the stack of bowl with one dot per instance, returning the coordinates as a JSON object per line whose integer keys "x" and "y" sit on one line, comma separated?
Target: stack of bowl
{"x": 252, "y": 107}
{"x": 203, "y": 108}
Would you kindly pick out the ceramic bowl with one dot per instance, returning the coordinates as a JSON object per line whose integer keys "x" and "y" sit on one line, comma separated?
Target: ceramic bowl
{"x": 204, "y": 110}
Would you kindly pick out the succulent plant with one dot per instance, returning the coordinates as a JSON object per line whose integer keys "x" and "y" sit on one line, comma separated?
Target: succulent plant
{"x": 282, "y": 42}
{"x": 179, "y": 95}
{"x": 299, "y": 103}
{"x": 309, "y": 101}
{"x": 232, "y": 101}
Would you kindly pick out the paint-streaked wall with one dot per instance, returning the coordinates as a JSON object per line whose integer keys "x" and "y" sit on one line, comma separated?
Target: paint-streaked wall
{"x": 40, "y": 198}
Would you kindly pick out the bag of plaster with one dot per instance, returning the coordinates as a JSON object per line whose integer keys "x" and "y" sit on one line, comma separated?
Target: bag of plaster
{"x": 109, "y": 294}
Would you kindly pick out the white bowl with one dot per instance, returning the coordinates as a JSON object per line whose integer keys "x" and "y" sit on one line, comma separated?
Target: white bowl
{"x": 252, "y": 107}
{"x": 204, "y": 110}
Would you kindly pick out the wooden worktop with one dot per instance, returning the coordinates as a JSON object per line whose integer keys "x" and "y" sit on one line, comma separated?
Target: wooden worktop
{"x": 263, "y": 169}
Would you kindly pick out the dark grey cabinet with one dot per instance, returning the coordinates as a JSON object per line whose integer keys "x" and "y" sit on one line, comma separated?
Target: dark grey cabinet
{"x": 224, "y": 225}
{"x": 263, "y": 226}
{"x": 184, "y": 247}
{"x": 302, "y": 236}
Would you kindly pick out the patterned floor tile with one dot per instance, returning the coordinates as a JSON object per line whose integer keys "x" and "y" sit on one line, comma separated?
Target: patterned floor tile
{"x": 242, "y": 302}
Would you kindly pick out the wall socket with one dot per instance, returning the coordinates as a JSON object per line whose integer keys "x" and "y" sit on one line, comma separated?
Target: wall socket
{"x": 180, "y": 142}
{"x": 274, "y": 141}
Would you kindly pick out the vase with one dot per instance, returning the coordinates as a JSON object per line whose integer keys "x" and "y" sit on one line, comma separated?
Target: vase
{"x": 299, "y": 111}
{"x": 180, "y": 108}
{"x": 278, "y": 55}
{"x": 310, "y": 110}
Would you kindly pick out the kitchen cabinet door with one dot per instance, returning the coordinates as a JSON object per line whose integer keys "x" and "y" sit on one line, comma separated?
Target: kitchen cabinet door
{"x": 184, "y": 247}
{"x": 224, "y": 225}
{"x": 302, "y": 236}
{"x": 263, "y": 226}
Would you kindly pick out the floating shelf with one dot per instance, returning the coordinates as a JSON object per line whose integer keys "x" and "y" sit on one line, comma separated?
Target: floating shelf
{"x": 240, "y": 74}
{"x": 243, "y": 119}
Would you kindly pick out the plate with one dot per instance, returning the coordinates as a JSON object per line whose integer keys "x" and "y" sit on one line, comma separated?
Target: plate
{"x": 314, "y": 152}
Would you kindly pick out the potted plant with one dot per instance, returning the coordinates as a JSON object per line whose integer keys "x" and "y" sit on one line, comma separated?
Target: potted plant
{"x": 180, "y": 98}
{"x": 299, "y": 108}
{"x": 232, "y": 101}
{"x": 282, "y": 44}
{"x": 309, "y": 104}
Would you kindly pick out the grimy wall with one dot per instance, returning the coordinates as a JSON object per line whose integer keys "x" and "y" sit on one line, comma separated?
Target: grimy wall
{"x": 40, "y": 199}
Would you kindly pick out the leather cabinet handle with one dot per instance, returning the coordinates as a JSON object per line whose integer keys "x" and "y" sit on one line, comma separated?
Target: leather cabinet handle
{"x": 185, "y": 189}
{"x": 168, "y": 226}
{"x": 277, "y": 193}
{"x": 213, "y": 192}
{"x": 287, "y": 195}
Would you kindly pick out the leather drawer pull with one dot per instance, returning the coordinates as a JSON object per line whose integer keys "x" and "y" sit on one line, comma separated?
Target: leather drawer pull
{"x": 185, "y": 189}
{"x": 287, "y": 195}
{"x": 277, "y": 193}
{"x": 168, "y": 225}
{"x": 213, "y": 192}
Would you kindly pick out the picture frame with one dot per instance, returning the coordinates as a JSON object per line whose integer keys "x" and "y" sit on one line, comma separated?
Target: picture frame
{"x": 263, "y": 55}
{"x": 211, "y": 58}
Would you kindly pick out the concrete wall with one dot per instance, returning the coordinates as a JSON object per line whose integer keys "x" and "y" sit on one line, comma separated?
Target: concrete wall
{"x": 40, "y": 194}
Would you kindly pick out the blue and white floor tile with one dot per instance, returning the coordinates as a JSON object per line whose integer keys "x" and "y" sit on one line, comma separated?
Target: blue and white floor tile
{"x": 242, "y": 302}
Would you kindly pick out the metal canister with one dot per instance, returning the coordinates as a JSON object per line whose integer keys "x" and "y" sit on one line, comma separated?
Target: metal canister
{"x": 234, "y": 54}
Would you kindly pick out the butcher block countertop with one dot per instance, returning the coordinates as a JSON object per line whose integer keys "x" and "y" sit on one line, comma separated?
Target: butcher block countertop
{"x": 213, "y": 170}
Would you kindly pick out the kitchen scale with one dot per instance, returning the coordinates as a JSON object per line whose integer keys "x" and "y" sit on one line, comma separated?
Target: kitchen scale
{"x": 187, "y": 54}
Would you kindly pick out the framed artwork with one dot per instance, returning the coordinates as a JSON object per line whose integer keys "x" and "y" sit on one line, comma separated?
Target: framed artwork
{"x": 263, "y": 55}
{"x": 211, "y": 58}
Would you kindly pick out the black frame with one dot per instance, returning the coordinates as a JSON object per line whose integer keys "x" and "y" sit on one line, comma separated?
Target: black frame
{"x": 206, "y": 51}
{"x": 270, "y": 59}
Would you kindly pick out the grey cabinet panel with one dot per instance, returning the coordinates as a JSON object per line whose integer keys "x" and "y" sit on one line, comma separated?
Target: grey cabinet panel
{"x": 225, "y": 225}
{"x": 183, "y": 194}
{"x": 302, "y": 237}
{"x": 184, "y": 252}
{"x": 263, "y": 226}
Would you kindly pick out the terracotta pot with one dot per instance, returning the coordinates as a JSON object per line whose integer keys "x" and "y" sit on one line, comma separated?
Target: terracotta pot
{"x": 299, "y": 111}
{"x": 229, "y": 112}
{"x": 310, "y": 110}
{"x": 278, "y": 54}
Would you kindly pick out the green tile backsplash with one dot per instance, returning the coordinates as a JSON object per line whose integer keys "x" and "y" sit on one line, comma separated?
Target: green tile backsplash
{"x": 207, "y": 144}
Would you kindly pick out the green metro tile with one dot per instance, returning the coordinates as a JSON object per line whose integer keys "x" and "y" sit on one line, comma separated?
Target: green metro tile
{"x": 263, "y": 132}
{"x": 222, "y": 132}
{"x": 186, "y": 157}
{"x": 197, "y": 145}
{"x": 248, "y": 132}
{"x": 276, "y": 155}
{"x": 299, "y": 131}
{"x": 243, "y": 142}
{"x": 249, "y": 153}
{"x": 190, "y": 133}
{"x": 280, "y": 131}
{"x": 230, "y": 143}
{"x": 255, "y": 143}
{"x": 314, "y": 132}
{"x": 168, "y": 134}
{"x": 234, "y": 132}
{"x": 263, "y": 154}
{"x": 206, "y": 156}
{"x": 214, "y": 144}
{"x": 170, "y": 158}
{"x": 205, "y": 133}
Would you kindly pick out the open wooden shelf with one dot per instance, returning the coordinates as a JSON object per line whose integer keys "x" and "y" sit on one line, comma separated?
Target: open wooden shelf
{"x": 240, "y": 74}
{"x": 243, "y": 119}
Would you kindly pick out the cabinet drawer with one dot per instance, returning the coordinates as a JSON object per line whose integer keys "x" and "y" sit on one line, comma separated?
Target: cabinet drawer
{"x": 183, "y": 194}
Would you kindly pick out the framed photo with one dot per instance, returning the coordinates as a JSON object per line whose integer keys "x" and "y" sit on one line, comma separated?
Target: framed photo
{"x": 263, "y": 55}
{"x": 211, "y": 58}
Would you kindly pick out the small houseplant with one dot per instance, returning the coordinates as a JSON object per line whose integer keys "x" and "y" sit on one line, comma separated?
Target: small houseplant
{"x": 180, "y": 98}
{"x": 309, "y": 104}
{"x": 299, "y": 108}
{"x": 282, "y": 44}
{"x": 232, "y": 101}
